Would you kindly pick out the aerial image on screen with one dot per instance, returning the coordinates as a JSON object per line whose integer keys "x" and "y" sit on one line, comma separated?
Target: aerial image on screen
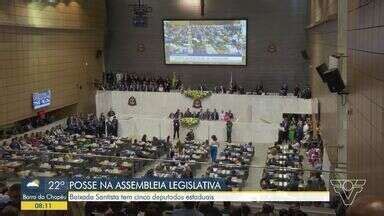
{"x": 210, "y": 42}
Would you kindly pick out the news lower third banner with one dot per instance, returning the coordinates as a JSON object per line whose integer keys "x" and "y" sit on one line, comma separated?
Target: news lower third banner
{"x": 55, "y": 193}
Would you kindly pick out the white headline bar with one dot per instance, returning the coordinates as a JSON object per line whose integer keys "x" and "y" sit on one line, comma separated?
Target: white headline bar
{"x": 233, "y": 196}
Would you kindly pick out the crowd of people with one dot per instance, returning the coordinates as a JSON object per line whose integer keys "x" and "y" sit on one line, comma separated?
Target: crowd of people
{"x": 26, "y": 125}
{"x": 297, "y": 91}
{"x": 91, "y": 124}
{"x": 284, "y": 163}
{"x": 182, "y": 160}
{"x": 283, "y": 169}
{"x": 10, "y": 199}
{"x": 57, "y": 142}
{"x": 232, "y": 164}
{"x": 204, "y": 115}
{"x": 31, "y": 141}
{"x": 294, "y": 129}
{"x": 298, "y": 131}
{"x": 132, "y": 82}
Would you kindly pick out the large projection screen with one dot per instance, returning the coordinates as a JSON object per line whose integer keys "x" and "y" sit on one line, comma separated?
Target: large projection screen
{"x": 205, "y": 42}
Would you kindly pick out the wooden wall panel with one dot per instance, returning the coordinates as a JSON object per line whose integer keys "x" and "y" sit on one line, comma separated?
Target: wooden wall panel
{"x": 49, "y": 47}
{"x": 365, "y": 63}
{"x": 322, "y": 42}
{"x": 322, "y": 10}
{"x": 71, "y": 14}
{"x": 277, "y": 22}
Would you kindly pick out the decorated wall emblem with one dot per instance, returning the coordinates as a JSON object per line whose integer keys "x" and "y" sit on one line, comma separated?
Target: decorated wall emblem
{"x": 132, "y": 101}
{"x": 272, "y": 48}
{"x": 140, "y": 48}
{"x": 197, "y": 96}
{"x": 197, "y": 103}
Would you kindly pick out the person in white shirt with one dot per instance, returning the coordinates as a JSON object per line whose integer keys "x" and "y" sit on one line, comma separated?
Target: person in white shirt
{"x": 296, "y": 145}
{"x": 281, "y": 133}
{"x": 222, "y": 116}
{"x": 161, "y": 88}
{"x": 305, "y": 128}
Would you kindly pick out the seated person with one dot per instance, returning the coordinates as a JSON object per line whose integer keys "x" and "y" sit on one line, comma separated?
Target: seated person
{"x": 221, "y": 90}
{"x": 190, "y": 136}
{"x": 187, "y": 209}
{"x": 259, "y": 89}
{"x": 111, "y": 113}
{"x": 297, "y": 91}
{"x": 296, "y": 145}
{"x": 265, "y": 183}
{"x": 15, "y": 145}
{"x": 284, "y": 90}
{"x": 187, "y": 114}
{"x": 315, "y": 182}
{"x": 267, "y": 209}
{"x": 3, "y": 151}
{"x": 241, "y": 90}
{"x": 144, "y": 138}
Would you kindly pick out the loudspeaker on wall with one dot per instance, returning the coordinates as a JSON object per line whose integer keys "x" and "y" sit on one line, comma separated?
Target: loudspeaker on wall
{"x": 334, "y": 80}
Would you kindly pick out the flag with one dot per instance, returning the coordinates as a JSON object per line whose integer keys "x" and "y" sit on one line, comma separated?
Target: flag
{"x": 174, "y": 80}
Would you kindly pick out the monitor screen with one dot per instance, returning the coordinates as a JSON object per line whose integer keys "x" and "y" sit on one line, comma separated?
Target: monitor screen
{"x": 41, "y": 99}
{"x": 206, "y": 42}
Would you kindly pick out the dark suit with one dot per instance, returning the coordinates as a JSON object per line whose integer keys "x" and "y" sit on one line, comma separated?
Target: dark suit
{"x": 176, "y": 128}
{"x": 215, "y": 116}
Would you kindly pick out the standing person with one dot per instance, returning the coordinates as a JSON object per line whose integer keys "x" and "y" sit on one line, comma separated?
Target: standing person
{"x": 229, "y": 130}
{"x": 109, "y": 127}
{"x": 3, "y": 153}
{"x": 299, "y": 131}
{"x": 281, "y": 133}
{"x": 284, "y": 90}
{"x": 176, "y": 128}
{"x": 215, "y": 115}
{"x": 179, "y": 147}
{"x": 286, "y": 127}
{"x": 306, "y": 127}
{"x": 115, "y": 124}
{"x": 101, "y": 125}
{"x": 297, "y": 91}
{"x": 222, "y": 116}
{"x": 214, "y": 147}
{"x": 230, "y": 114}
{"x": 292, "y": 132}
{"x": 111, "y": 113}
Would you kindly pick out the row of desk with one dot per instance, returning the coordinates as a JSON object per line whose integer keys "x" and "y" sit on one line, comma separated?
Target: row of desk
{"x": 78, "y": 156}
{"x": 183, "y": 162}
{"x": 283, "y": 169}
{"x": 232, "y": 165}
